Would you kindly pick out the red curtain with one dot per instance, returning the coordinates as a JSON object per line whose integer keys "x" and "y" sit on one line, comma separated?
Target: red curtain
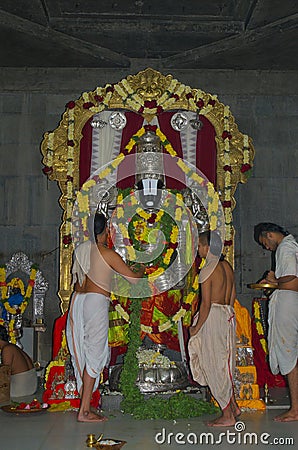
{"x": 85, "y": 152}
{"x": 206, "y": 150}
{"x": 134, "y": 123}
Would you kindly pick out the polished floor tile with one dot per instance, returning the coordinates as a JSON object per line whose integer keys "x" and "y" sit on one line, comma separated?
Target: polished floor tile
{"x": 61, "y": 431}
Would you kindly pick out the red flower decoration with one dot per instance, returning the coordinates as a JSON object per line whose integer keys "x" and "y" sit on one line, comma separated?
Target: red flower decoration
{"x": 189, "y": 95}
{"x": 211, "y": 102}
{"x": 200, "y": 103}
{"x": 227, "y": 168}
{"x": 227, "y": 204}
{"x": 31, "y": 283}
{"x": 22, "y": 405}
{"x": 151, "y": 128}
{"x": 186, "y": 306}
{"x": 159, "y": 109}
{"x": 173, "y": 245}
{"x": 47, "y": 170}
{"x": 70, "y": 105}
{"x": 228, "y": 243}
{"x": 69, "y": 178}
{"x": 110, "y": 89}
{"x": 150, "y": 104}
{"x": 226, "y": 135}
{"x": 175, "y": 96}
{"x": 245, "y": 168}
{"x": 70, "y": 143}
{"x": 67, "y": 239}
{"x": 98, "y": 98}
{"x": 152, "y": 218}
{"x": 88, "y": 105}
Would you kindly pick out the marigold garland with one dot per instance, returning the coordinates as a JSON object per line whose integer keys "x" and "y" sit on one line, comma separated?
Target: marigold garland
{"x": 172, "y": 321}
{"x": 259, "y": 326}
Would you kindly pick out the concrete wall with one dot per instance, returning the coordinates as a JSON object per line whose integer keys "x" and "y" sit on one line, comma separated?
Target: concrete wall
{"x": 32, "y": 101}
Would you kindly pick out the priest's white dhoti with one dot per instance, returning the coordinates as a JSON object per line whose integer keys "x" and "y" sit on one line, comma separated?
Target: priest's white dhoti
{"x": 87, "y": 335}
{"x": 212, "y": 353}
{"x": 283, "y": 331}
{"x": 23, "y": 384}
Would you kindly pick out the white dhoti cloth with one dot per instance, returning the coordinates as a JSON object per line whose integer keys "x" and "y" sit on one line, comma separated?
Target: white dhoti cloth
{"x": 87, "y": 335}
{"x": 23, "y": 384}
{"x": 212, "y": 353}
{"x": 283, "y": 331}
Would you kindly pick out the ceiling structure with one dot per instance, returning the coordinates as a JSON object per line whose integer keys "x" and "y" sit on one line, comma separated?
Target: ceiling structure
{"x": 184, "y": 34}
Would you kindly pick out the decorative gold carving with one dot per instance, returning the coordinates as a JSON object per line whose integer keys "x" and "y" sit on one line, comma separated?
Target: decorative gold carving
{"x": 149, "y": 84}
{"x": 131, "y": 94}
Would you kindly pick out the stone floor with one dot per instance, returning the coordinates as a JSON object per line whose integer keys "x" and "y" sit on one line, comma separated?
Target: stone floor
{"x": 61, "y": 431}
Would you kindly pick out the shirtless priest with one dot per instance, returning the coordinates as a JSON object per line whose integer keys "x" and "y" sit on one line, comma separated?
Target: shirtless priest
{"x": 88, "y": 321}
{"x": 213, "y": 339}
{"x": 23, "y": 381}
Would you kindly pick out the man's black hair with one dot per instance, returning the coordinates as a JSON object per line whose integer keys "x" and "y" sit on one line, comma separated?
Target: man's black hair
{"x": 3, "y": 334}
{"x": 262, "y": 228}
{"x": 213, "y": 240}
{"x": 96, "y": 225}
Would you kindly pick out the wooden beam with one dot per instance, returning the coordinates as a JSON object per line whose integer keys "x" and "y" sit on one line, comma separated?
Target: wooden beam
{"x": 60, "y": 39}
{"x": 235, "y": 42}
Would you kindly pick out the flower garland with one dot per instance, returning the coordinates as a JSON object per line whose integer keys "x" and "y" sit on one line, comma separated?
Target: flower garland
{"x": 227, "y": 204}
{"x": 259, "y": 325}
{"x": 172, "y": 321}
{"x": 48, "y": 169}
{"x": 19, "y": 309}
{"x": 153, "y": 272}
{"x": 139, "y": 230}
{"x": 132, "y": 100}
{"x": 67, "y": 239}
{"x": 3, "y": 284}
{"x": 246, "y": 167}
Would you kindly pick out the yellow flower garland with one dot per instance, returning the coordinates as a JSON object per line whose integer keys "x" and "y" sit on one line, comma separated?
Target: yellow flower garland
{"x": 259, "y": 326}
{"x": 191, "y": 296}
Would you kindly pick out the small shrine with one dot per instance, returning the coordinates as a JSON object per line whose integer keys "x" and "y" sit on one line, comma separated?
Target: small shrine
{"x": 23, "y": 290}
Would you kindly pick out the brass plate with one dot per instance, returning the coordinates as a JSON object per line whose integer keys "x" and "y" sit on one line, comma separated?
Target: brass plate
{"x": 14, "y": 410}
{"x": 262, "y": 286}
{"x": 117, "y": 446}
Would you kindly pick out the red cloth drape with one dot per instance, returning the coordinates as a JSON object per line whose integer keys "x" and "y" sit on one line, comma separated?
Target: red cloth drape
{"x": 59, "y": 327}
{"x": 85, "y": 152}
{"x": 134, "y": 123}
{"x": 173, "y": 136}
{"x": 206, "y": 150}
